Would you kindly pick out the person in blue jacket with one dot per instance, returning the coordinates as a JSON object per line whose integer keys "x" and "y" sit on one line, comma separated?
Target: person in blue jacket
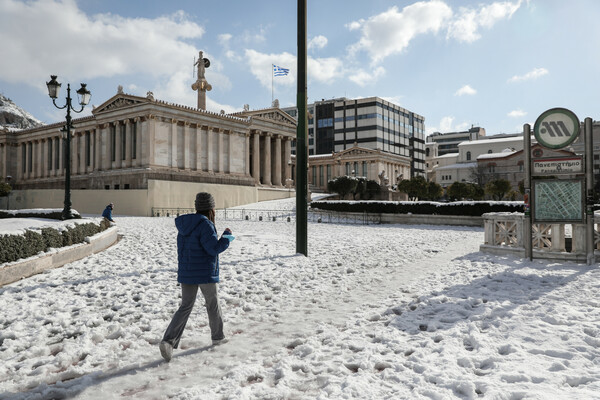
{"x": 198, "y": 249}
{"x": 107, "y": 213}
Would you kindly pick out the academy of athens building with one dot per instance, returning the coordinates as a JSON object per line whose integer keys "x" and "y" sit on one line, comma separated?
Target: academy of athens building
{"x": 144, "y": 154}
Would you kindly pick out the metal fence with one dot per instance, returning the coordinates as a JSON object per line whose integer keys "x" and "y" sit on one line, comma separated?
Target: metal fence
{"x": 243, "y": 214}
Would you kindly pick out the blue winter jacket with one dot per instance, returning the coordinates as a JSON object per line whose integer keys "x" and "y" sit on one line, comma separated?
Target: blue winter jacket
{"x": 107, "y": 213}
{"x": 198, "y": 249}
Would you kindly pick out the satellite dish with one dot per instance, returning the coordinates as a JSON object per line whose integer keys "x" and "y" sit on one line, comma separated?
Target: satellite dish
{"x": 206, "y": 62}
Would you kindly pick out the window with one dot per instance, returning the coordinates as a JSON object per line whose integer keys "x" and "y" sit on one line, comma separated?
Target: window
{"x": 24, "y": 158}
{"x": 489, "y": 152}
{"x": 365, "y": 170}
{"x": 56, "y": 153}
{"x": 321, "y": 177}
{"x": 355, "y": 171}
{"x": 468, "y": 156}
{"x": 491, "y": 168}
{"x": 49, "y": 154}
{"x": 88, "y": 149}
{"x": 30, "y": 157}
{"x": 314, "y": 175}
{"x": 328, "y": 173}
{"x": 347, "y": 169}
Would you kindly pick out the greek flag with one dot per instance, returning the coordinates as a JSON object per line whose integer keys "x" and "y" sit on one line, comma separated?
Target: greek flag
{"x": 278, "y": 71}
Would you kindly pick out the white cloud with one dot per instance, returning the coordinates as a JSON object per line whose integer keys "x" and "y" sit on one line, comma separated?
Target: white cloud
{"x": 224, "y": 38}
{"x": 363, "y": 78}
{"x": 531, "y": 75}
{"x": 90, "y": 46}
{"x": 391, "y": 31}
{"x": 324, "y": 69}
{"x": 465, "y": 90}
{"x": 517, "y": 114}
{"x": 319, "y": 69}
{"x": 447, "y": 125}
{"x": 465, "y": 27}
{"x": 261, "y": 67}
{"x": 318, "y": 42}
{"x": 254, "y": 37}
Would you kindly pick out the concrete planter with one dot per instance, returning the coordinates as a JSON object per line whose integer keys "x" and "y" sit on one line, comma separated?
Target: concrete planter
{"x": 32, "y": 266}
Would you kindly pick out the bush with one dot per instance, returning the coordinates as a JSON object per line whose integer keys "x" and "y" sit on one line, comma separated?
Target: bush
{"x": 24, "y": 214}
{"x": 15, "y": 247}
{"x": 428, "y": 208}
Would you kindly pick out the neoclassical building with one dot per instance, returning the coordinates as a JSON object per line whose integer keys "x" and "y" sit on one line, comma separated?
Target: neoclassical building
{"x": 142, "y": 153}
{"x": 356, "y": 161}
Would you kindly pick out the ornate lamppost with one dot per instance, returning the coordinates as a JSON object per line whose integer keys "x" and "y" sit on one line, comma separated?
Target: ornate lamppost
{"x": 84, "y": 96}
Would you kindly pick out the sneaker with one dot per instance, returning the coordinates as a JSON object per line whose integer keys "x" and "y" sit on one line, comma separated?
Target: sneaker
{"x": 220, "y": 341}
{"x": 166, "y": 350}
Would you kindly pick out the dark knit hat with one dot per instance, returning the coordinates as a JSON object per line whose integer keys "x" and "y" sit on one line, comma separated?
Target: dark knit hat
{"x": 204, "y": 201}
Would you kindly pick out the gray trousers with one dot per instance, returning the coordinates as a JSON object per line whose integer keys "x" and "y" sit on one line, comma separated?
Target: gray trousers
{"x": 188, "y": 298}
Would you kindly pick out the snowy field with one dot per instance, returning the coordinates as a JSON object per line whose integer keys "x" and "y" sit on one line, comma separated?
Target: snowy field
{"x": 374, "y": 312}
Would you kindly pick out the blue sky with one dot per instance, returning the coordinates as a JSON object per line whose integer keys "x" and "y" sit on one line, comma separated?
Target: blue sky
{"x": 494, "y": 64}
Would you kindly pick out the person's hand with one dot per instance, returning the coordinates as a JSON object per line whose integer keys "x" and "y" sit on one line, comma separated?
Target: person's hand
{"x": 227, "y": 231}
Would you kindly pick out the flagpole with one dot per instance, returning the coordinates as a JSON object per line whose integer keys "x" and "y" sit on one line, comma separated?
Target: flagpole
{"x": 272, "y": 74}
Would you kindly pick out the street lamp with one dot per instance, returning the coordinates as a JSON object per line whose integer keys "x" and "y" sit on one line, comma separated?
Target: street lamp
{"x": 84, "y": 96}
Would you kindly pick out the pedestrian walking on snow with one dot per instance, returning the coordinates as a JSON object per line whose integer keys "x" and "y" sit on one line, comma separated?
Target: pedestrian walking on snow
{"x": 198, "y": 249}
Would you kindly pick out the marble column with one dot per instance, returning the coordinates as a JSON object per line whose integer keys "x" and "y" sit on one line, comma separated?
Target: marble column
{"x": 128, "y": 141}
{"x": 220, "y": 150}
{"x": 98, "y": 144}
{"x": 267, "y": 160}
{"x": 247, "y": 153}
{"x": 287, "y": 157}
{"x": 173, "y": 152}
{"x": 277, "y": 161}
{"x": 188, "y": 150}
{"x": 256, "y": 157}
{"x": 209, "y": 149}
{"x": 200, "y": 147}
{"x": 137, "y": 134}
{"x": 118, "y": 145}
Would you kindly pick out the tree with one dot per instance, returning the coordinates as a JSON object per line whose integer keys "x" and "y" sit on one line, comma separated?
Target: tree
{"x": 415, "y": 187}
{"x": 434, "y": 191}
{"x": 458, "y": 191}
{"x": 4, "y": 188}
{"x": 342, "y": 185}
{"x": 498, "y": 188}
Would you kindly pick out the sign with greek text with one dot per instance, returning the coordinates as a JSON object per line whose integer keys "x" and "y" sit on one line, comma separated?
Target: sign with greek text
{"x": 558, "y": 166}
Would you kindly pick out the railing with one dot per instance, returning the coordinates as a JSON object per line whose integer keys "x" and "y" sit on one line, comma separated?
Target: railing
{"x": 504, "y": 234}
{"x": 242, "y": 214}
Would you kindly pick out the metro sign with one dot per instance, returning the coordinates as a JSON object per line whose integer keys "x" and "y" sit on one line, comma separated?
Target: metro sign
{"x": 556, "y": 128}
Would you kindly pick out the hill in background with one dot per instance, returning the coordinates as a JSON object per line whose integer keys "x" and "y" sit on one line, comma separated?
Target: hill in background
{"x": 13, "y": 117}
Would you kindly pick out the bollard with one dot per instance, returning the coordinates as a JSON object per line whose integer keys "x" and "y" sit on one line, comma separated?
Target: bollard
{"x": 247, "y": 218}
{"x": 260, "y": 218}
{"x": 288, "y": 219}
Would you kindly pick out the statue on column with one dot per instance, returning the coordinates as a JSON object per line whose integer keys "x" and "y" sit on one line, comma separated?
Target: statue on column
{"x": 201, "y": 84}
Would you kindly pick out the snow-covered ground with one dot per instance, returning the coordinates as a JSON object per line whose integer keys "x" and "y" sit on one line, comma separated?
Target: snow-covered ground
{"x": 373, "y": 312}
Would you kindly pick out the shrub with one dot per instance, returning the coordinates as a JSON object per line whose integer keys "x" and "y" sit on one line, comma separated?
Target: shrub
{"x": 429, "y": 208}
{"x": 15, "y": 247}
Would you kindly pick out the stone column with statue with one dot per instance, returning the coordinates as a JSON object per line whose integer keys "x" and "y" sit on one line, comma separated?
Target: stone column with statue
{"x": 201, "y": 84}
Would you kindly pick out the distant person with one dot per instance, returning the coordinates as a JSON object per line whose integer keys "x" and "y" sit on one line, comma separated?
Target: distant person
{"x": 198, "y": 248}
{"x": 107, "y": 214}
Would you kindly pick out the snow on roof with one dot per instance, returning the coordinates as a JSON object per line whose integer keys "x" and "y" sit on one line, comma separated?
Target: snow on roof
{"x": 449, "y": 155}
{"x": 502, "y": 154}
{"x": 500, "y": 140}
{"x": 459, "y": 166}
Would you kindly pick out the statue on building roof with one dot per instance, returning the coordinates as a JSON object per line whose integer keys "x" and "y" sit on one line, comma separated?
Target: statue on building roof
{"x": 201, "y": 84}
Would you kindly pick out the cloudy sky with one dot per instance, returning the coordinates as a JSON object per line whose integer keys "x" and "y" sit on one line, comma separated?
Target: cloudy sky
{"x": 459, "y": 63}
